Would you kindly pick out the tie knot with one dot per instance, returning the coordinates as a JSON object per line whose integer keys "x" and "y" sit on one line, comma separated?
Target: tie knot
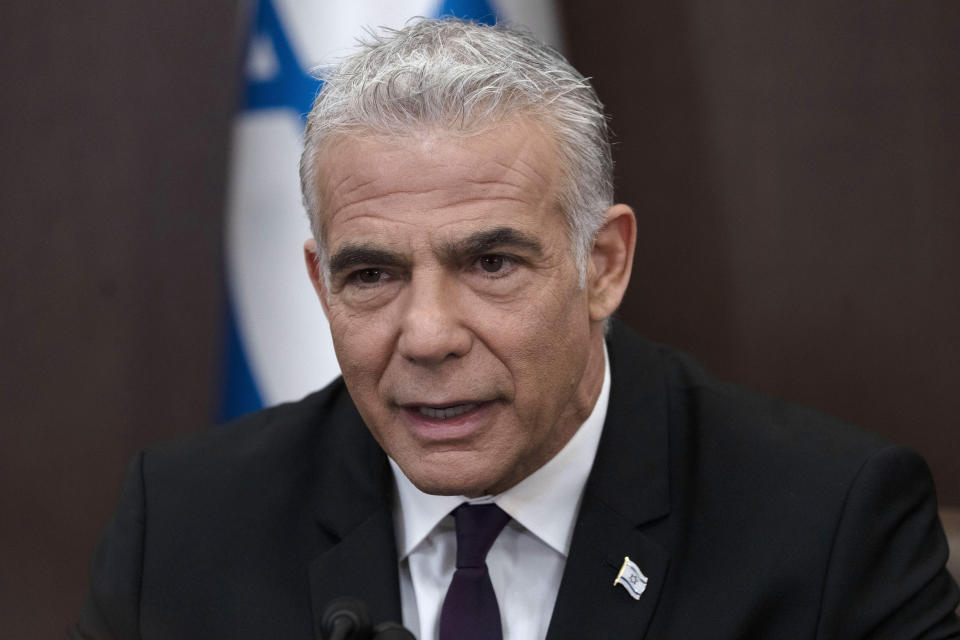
{"x": 478, "y": 525}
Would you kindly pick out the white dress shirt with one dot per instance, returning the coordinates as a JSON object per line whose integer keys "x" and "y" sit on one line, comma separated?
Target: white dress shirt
{"x": 527, "y": 559}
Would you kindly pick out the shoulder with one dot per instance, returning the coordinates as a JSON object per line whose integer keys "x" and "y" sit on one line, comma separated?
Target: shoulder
{"x": 746, "y": 427}
{"x": 268, "y": 447}
{"x": 744, "y": 458}
{"x": 847, "y": 518}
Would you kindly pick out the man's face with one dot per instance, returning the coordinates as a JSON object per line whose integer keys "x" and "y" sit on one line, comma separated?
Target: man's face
{"x": 455, "y": 307}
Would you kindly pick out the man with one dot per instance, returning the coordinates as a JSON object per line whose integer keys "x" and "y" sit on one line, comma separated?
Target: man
{"x": 468, "y": 255}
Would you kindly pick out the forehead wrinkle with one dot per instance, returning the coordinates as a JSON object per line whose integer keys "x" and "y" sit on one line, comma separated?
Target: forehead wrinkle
{"x": 346, "y": 178}
{"x": 484, "y": 199}
{"x": 381, "y": 196}
{"x": 544, "y": 177}
{"x": 374, "y": 216}
{"x": 519, "y": 186}
{"x": 331, "y": 193}
{"x": 453, "y": 201}
{"x": 332, "y": 189}
{"x": 531, "y": 170}
{"x": 353, "y": 188}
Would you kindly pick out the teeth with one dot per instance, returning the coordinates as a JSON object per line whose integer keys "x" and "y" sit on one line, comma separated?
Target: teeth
{"x": 447, "y": 412}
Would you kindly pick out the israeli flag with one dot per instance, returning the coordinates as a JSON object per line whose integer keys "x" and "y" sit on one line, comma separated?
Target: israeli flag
{"x": 631, "y": 579}
{"x": 278, "y": 345}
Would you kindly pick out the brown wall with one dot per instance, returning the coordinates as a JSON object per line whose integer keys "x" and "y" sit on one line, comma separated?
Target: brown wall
{"x": 793, "y": 168}
{"x": 115, "y": 119}
{"x": 796, "y": 172}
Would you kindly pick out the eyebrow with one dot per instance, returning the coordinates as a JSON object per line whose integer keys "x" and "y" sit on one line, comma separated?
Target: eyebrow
{"x": 353, "y": 255}
{"x": 490, "y": 240}
{"x": 481, "y": 242}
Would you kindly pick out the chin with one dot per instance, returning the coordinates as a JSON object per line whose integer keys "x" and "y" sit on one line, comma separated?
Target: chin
{"x": 449, "y": 486}
{"x": 454, "y": 480}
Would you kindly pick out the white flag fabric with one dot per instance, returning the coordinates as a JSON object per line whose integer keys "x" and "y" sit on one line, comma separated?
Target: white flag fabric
{"x": 278, "y": 346}
{"x": 631, "y": 579}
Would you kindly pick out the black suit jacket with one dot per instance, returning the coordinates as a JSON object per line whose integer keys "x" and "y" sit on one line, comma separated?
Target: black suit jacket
{"x": 752, "y": 518}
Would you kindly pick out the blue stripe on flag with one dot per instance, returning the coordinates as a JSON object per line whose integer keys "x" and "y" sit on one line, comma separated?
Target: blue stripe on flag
{"x": 291, "y": 87}
{"x": 476, "y": 10}
{"x": 239, "y": 391}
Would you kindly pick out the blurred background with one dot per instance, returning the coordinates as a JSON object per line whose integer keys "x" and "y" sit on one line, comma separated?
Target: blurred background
{"x": 795, "y": 168}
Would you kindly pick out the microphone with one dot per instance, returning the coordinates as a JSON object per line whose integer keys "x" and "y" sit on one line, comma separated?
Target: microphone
{"x": 349, "y": 619}
{"x": 345, "y": 619}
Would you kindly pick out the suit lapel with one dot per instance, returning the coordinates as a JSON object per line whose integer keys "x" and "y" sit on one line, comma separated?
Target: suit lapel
{"x": 589, "y": 604}
{"x": 354, "y": 515}
{"x": 363, "y": 565}
{"x": 628, "y": 488}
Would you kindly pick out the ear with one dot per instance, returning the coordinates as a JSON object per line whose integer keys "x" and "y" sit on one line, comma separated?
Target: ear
{"x": 312, "y": 257}
{"x": 611, "y": 262}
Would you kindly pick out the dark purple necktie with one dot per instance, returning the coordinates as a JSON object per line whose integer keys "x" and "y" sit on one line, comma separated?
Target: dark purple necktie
{"x": 470, "y": 610}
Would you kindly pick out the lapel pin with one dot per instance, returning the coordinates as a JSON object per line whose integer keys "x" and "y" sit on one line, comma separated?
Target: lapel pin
{"x": 631, "y": 578}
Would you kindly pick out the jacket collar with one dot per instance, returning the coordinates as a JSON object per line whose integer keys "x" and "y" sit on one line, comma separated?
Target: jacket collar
{"x": 635, "y": 434}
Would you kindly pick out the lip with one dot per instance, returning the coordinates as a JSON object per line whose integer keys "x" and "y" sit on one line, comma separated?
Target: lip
{"x": 455, "y": 421}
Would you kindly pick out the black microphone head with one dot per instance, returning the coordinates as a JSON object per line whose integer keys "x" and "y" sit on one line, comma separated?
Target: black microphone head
{"x": 345, "y": 619}
{"x": 391, "y": 631}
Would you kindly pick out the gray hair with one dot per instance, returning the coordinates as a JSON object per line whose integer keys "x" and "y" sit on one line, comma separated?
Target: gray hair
{"x": 464, "y": 78}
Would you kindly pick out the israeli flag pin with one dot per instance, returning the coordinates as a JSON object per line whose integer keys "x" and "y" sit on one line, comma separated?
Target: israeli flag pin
{"x": 631, "y": 578}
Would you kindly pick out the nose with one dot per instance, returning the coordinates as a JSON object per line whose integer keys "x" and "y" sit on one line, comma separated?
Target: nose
{"x": 433, "y": 330}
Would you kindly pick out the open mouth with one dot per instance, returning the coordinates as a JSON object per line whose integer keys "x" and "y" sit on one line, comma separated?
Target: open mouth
{"x": 456, "y": 419}
{"x": 443, "y": 413}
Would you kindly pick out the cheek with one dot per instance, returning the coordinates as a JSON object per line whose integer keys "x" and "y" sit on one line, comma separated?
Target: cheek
{"x": 550, "y": 347}
{"x": 540, "y": 354}
{"x": 362, "y": 345}
{"x": 554, "y": 314}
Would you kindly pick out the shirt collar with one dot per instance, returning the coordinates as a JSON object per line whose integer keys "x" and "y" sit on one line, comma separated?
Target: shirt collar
{"x": 546, "y": 502}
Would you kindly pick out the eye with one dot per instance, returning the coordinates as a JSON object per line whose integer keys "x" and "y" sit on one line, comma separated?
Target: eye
{"x": 492, "y": 263}
{"x": 495, "y": 266}
{"x": 368, "y": 276}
